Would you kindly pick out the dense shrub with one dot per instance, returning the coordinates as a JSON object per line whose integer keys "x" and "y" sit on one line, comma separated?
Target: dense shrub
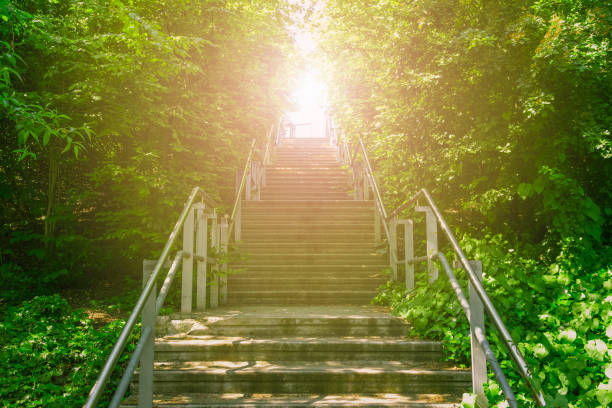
{"x": 51, "y": 355}
{"x": 559, "y": 314}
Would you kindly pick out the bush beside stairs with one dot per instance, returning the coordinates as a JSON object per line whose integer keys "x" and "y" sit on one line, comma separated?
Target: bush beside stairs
{"x": 299, "y": 330}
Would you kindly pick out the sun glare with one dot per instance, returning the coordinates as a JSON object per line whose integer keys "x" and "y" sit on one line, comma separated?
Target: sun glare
{"x": 310, "y": 94}
{"x": 309, "y": 98}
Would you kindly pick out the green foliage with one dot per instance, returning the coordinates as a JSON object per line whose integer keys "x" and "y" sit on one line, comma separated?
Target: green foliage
{"x": 502, "y": 111}
{"x": 478, "y": 101}
{"x": 50, "y": 355}
{"x": 560, "y": 315}
{"x": 111, "y": 112}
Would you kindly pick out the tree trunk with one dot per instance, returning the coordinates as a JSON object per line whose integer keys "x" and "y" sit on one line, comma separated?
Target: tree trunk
{"x": 52, "y": 194}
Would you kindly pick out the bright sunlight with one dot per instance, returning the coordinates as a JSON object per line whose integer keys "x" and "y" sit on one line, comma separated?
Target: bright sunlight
{"x": 310, "y": 100}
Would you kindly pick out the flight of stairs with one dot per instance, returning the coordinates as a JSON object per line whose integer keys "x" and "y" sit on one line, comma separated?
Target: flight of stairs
{"x": 301, "y": 356}
{"x": 299, "y": 330}
{"x": 307, "y": 241}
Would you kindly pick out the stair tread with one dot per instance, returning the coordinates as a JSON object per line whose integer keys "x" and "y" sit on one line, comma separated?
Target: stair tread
{"x": 276, "y": 266}
{"x": 351, "y": 292}
{"x": 328, "y": 367}
{"x": 188, "y": 342}
{"x": 198, "y": 400}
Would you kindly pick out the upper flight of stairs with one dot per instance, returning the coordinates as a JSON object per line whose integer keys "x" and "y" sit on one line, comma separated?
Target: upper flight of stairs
{"x": 306, "y": 169}
{"x": 307, "y": 241}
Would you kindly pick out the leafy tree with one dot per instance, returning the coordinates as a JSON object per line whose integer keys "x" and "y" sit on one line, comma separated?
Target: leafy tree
{"x": 502, "y": 110}
{"x": 113, "y": 111}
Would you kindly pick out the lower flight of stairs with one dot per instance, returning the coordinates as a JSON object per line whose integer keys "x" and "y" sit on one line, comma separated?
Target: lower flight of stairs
{"x": 319, "y": 356}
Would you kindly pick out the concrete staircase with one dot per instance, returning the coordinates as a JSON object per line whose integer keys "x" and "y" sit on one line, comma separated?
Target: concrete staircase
{"x": 307, "y": 241}
{"x": 300, "y": 356}
{"x": 299, "y": 330}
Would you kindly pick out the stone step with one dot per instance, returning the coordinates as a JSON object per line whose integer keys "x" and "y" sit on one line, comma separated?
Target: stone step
{"x": 289, "y": 192}
{"x": 313, "y": 141}
{"x": 302, "y": 157}
{"x": 301, "y": 297}
{"x": 340, "y": 193}
{"x": 311, "y": 149}
{"x": 271, "y": 208}
{"x": 307, "y": 191}
{"x": 306, "y": 148}
{"x": 307, "y": 196}
{"x": 299, "y": 213}
{"x": 290, "y": 168}
{"x": 236, "y": 400}
{"x": 316, "y": 236}
{"x": 313, "y": 270}
{"x": 289, "y": 247}
{"x": 206, "y": 348}
{"x": 288, "y": 284}
{"x": 307, "y": 164}
{"x": 293, "y": 321}
{"x": 330, "y": 225}
{"x": 305, "y": 157}
{"x": 267, "y": 276}
{"x": 316, "y": 218}
{"x": 313, "y": 174}
{"x": 319, "y": 218}
{"x": 295, "y": 175}
{"x": 284, "y": 183}
{"x": 313, "y": 258}
{"x": 289, "y": 204}
{"x": 292, "y": 164}
{"x": 296, "y": 180}
{"x": 328, "y": 377}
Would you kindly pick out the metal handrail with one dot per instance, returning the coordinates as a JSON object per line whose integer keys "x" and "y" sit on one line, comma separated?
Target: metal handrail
{"x": 479, "y": 333}
{"x": 373, "y": 180}
{"x": 377, "y": 196}
{"x": 268, "y": 149}
{"x": 245, "y": 174}
{"x": 111, "y": 362}
{"x": 509, "y": 344}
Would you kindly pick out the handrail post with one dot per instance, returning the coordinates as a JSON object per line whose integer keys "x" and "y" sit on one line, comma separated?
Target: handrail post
{"x": 147, "y": 358}
{"x": 377, "y": 227}
{"x": 432, "y": 241}
{"x": 364, "y": 180}
{"x": 408, "y": 252}
{"x": 479, "y": 359}
{"x": 393, "y": 246}
{"x": 238, "y": 219}
{"x": 187, "y": 281}
{"x": 223, "y": 241}
{"x": 515, "y": 353}
{"x": 247, "y": 187}
{"x": 201, "y": 250}
{"x": 258, "y": 178}
{"x": 214, "y": 281}
{"x": 356, "y": 181}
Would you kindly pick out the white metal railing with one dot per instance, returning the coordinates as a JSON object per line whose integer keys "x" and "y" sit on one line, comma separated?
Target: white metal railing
{"x": 250, "y": 181}
{"x": 194, "y": 223}
{"x": 479, "y": 301}
{"x": 200, "y": 224}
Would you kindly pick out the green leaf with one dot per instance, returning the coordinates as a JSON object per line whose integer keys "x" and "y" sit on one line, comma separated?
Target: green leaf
{"x": 524, "y": 190}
